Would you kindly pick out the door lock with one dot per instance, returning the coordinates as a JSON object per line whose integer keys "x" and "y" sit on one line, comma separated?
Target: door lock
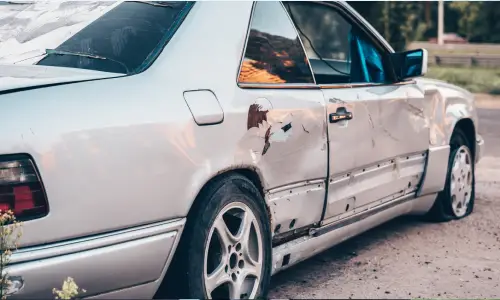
{"x": 340, "y": 115}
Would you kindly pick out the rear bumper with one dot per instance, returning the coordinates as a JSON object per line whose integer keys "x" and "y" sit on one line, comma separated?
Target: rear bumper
{"x": 125, "y": 264}
{"x": 479, "y": 148}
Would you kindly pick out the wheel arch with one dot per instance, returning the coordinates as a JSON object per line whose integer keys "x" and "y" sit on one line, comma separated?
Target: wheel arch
{"x": 251, "y": 173}
{"x": 466, "y": 125}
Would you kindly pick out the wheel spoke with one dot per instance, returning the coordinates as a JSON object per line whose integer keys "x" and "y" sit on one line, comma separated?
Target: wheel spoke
{"x": 454, "y": 188}
{"x": 456, "y": 171}
{"x": 235, "y": 289}
{"x": 249, "y": 259}
{"x": 218, "y": 277}
{"x": 226, "y": 237}
{"x": 466, "y": 168}
{"x": 244, "y": 238}
{"x": 463, "y": 158}
{"x": 244, "y": 232}
{"x": 240, "y": 256}
{"x": 250, "y": 271}
{"x": 467, "y": 194}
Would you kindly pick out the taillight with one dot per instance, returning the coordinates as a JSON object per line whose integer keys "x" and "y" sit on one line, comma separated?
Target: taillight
{"x": 21, "y": 189}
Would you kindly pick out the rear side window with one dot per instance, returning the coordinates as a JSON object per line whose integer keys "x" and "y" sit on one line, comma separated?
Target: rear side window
{"x": 124, "y": 40}
{"x": 274, "y": 53}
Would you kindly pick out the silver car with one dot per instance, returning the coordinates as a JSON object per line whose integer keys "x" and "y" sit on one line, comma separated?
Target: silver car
{"x": 181, "y": 149}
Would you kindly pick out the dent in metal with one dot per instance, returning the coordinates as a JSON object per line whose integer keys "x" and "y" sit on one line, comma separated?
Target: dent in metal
{"x": 444, "y": 106}
{"x": 308, "y": 246}
{"x": 287, "y": 145}
{"x": 297, "y": 205}
{"x": 371, "y": 184}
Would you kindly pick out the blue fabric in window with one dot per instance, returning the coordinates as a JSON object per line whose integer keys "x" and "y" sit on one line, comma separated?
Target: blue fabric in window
{"x": 370, "y": 61}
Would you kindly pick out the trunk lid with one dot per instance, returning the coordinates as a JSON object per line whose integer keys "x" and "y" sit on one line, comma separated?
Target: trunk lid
{"x": 15, "y": 77}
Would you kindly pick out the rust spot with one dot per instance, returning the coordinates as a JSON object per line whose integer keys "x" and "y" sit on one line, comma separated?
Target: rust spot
{"x": 257, "y": 116}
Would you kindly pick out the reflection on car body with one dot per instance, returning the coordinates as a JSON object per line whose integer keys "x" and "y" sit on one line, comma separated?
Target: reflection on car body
{"x": 194, "y": 149}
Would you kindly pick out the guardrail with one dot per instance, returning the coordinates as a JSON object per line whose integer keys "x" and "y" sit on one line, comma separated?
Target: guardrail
{"x": 470, "y": 48}
{"x": 459, "y": 60}
{"x": 463, "y": 55}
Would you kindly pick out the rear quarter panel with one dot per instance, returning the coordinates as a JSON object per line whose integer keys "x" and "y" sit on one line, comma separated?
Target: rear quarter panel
{"x": 122, "y": 152}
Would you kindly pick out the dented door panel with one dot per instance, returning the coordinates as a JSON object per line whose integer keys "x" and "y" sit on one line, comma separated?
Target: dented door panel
{"x": 286, "y": 141}
{"x": 378, "y": 154}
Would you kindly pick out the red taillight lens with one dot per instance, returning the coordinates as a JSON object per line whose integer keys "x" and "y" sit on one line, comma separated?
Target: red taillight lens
{"x": 20, "y": 188}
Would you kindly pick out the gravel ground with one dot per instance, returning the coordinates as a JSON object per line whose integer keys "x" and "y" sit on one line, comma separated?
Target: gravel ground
{"x": 409, "y": 258}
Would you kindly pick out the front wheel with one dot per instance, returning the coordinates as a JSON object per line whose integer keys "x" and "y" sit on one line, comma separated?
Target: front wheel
{"x": 456, "y": 201}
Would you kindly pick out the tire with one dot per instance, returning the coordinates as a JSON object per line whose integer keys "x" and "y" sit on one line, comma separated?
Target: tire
{"x": 444, "y": 209}
{"x": 227, "y": 198}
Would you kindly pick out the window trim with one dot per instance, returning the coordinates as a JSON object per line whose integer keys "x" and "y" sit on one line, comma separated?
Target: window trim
{"x": 351, "y": 15}
{"x": 274, "y": 85}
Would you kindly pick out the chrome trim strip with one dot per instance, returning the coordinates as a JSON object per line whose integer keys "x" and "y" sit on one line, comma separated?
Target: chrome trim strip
{"x": 278, "y": 86}
{"x": 360, "y": 216}
{"x": 364, "y": 84}
{"x": 97, "y": 241}
{"x": 296, "y": 185}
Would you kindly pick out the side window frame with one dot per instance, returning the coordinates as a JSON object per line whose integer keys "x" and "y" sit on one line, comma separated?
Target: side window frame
{"x": 274, "y": 85}
{"x": 379, "y": 45}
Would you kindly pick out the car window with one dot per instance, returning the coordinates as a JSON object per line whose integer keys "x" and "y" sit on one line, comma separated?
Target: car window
{"x": 123, "y": 40}
{"x": 339, "y": 52}
{"x": 273, "y": 53}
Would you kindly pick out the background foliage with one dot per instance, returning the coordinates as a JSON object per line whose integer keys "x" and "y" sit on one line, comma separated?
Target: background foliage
{"x": 401, "y": 22}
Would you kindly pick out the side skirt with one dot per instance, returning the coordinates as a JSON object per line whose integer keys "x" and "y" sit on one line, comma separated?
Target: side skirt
{"x": 323, "y": 238}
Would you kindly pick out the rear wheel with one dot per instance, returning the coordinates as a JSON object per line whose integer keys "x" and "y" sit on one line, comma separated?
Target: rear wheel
{"x": 456, "y": 201}
{"x": 226, "y": 249}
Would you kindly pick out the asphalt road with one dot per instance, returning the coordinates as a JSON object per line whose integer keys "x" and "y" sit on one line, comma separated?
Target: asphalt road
{"x": 410, "y": 258}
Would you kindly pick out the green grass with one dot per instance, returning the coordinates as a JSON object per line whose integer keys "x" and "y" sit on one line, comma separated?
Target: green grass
{"x": 476, "y": 80}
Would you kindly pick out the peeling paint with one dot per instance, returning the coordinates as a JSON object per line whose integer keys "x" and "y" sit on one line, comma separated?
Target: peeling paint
{"x": 283, "y": 134}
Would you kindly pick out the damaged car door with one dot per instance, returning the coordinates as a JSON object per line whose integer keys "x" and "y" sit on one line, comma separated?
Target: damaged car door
{"x": 376, "y": 153}
{"x": 286, "y": 122}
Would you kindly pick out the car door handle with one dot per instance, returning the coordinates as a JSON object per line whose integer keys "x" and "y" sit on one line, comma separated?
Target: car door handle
{"x": 340, "y": 115}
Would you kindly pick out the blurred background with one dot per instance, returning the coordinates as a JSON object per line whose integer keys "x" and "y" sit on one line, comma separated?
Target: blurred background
{"x": 466, "y": 53}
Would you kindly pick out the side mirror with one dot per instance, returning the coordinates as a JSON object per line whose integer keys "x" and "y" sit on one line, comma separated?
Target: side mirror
{"x": 410, "y": 64}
